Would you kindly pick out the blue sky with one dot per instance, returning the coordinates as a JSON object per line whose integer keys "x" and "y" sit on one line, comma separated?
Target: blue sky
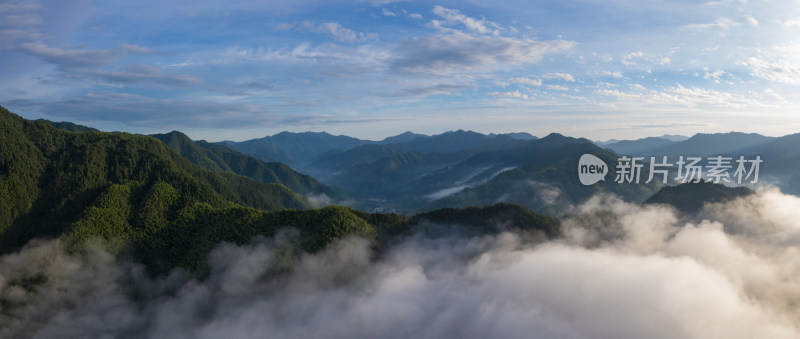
{"x": 245, "y": 69}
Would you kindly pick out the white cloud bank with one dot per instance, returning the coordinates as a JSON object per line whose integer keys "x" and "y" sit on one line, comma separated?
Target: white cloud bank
{"x": 621, "y": 271}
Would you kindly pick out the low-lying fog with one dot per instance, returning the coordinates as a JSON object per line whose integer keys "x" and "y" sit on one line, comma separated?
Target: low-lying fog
{"x": 620, "y": 271}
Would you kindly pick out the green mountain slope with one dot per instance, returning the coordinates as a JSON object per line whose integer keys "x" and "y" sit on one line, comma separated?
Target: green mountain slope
{"x": 68, "y": 126}
{"x": 48, "y": 178}
{"x": 220, "y": 158}
{"x": 498, "y": 217}
{"x": 143, "y": 200}
{"x": 199, "y": 228}
{"x": 690, "y": 197}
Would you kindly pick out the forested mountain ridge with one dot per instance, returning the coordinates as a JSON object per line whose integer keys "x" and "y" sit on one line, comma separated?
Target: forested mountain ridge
{"x": 221, "y": 158}
{"x": 690, "y": 197}
{"x": 71, "y": 127}
{"x": 142, "y": 199}
{"x": 52, "y": 180}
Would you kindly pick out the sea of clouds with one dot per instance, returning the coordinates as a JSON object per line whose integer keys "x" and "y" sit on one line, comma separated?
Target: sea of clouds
{"x": 620, "y": 271}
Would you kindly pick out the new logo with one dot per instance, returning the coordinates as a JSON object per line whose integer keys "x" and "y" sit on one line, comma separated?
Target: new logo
{"x": 591, "y": 169}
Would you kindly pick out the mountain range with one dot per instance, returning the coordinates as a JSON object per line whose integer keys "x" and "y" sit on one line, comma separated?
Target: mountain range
{"x": 167, "y": 201}
{"x": 698, "y": 145}
{"x": 219, "y": 158}
{"x": 413, "y": 172}
{"x": 301, "y": 149}
{"x": 780, "y": 155}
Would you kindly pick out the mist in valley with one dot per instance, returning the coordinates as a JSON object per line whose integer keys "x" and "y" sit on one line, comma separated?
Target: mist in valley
{"x": 619, "y": 271}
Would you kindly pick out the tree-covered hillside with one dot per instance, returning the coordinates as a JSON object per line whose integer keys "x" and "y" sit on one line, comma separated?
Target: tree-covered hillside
{"x": 143, "y": 200}
{"x": 68, "y": 126}
{"x": 221, "y": 158}
{"x": 690, "y": 197}
{"x": 49, "y": 178}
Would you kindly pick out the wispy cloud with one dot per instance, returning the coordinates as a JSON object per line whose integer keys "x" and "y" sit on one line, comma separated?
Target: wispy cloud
{"x": 69, "y": 57}
{"x": 137, "y": 110}
{"x": 721, "y": 23}
{"x": 515, "y": 94}
{"x": 11, "y": 36}
{"x": 333, "y": 29}
{"x": 617, "y": 75}
{"x": 782, "y": 71}
{"x": 685, "y": 96}
{"x": 669, "y": 125}
{"x": 559, "y": 76}
{"x": 15, "y": 21}
{"x": 430, "y": 90}
{"x": 20, "y": 22}
{"x": 17, "y": 6}
{"x": 135, "y": 49}
{"x": 140, "y": 110}
{"x": 526, "y": 81}
{"x": 133, "y": 75}
{"x": 459, "y": 51}
{"x": 791, "y": 23}
{"x": 454, "y": 16}
{"x": 557, "y": 87}
{"x": 629, "y": 59}
{"x": 344, "y": 58}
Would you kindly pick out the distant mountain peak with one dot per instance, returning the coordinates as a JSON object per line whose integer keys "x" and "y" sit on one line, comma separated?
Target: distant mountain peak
{"x": 674, "y": 137}
{"x": 520, "y": 135}
{"x": 639, "y": 146}
{"x": 557, "y": 139}
{"x": 296, "y": 149}
{"x": 554, "y": 135}
{"x": 403, "y": 137}
{"x": 173, "y": 135}
{"x": 460, "y": 132}
{"x": 726, "y": 134}
{"x": 177, "y": 133}
{"x": 560, "y": 137}
{"x": 306, "y": 133}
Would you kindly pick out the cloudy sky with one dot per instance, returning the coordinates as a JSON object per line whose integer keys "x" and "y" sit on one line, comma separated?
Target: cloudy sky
{"x": 244, "y": 69}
